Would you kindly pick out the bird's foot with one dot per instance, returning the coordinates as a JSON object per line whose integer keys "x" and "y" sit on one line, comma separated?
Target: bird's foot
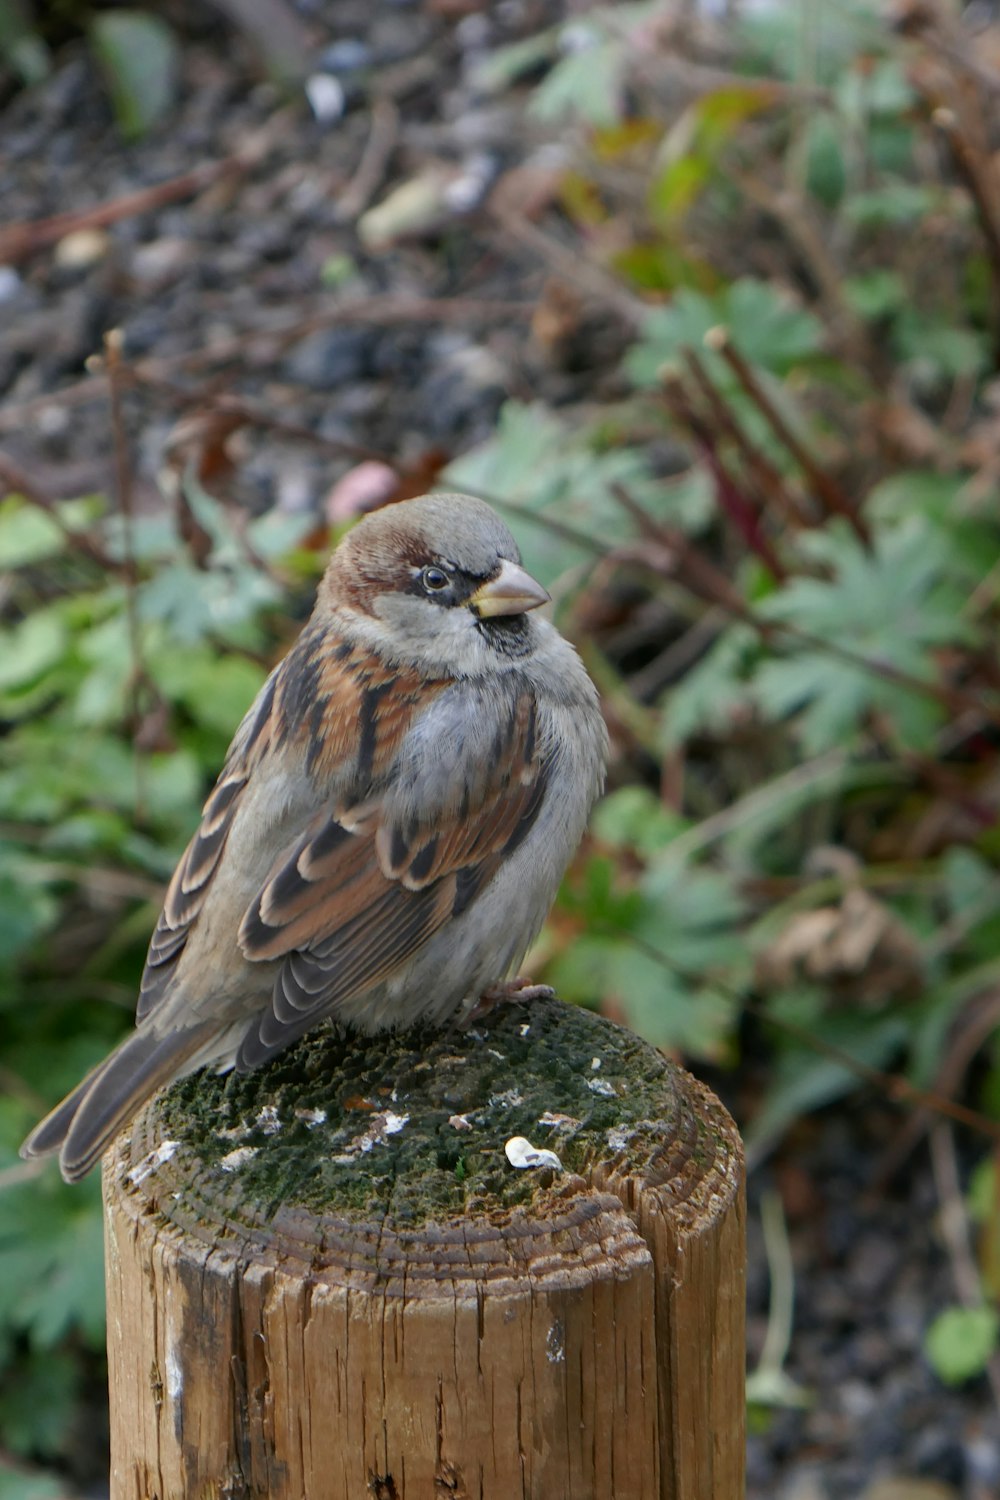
{"x": 517, "y": 991}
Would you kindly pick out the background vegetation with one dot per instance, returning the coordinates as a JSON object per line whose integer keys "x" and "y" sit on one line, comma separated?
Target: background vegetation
{"x": 776, "y": 539}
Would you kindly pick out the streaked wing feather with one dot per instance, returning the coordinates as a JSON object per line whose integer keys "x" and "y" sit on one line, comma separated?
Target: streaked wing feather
{"x": 192, "y": 879}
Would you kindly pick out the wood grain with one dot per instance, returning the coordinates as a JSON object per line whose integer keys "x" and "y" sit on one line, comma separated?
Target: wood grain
{"x": 481, "y": 1334}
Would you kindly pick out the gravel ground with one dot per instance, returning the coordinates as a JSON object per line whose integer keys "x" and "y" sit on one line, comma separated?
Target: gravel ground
{"x": 869, "y": 1272}
{"x": 231, "y": 287}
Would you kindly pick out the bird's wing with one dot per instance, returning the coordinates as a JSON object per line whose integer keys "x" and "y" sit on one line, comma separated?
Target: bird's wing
{"x": 191, "y": 882}
{"x": 368, "y": 884}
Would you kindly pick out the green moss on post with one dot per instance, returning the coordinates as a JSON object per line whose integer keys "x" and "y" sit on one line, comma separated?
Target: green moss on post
{"x": 347, "y": 1220}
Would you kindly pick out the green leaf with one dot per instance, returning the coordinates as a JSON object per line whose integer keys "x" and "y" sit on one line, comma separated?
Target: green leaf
{"x": 29, "y": 649}
{"x": 826, "y": 170}
{"x": 888, "y": 606}
{"x": 764, "y": 322}
{"x": 771, "y": 38}
{"x": 216, "y": 691}
{"x": 803, "y": 1081}
{"x": 982, "y": 1194}
{"x": 586, "y": 84}
{"x": 714, "y": 696}
{"x": 27, "y": 534}
{"x": 937, "y": 349}
{"x": 505, "y": 65}
{"x": 876, "y": 294}
{"x": 27, "y": 908}
{"x": 15, "y": 1484}
{"x": 633, "y": 818}
{"x": 71, "y": 1294}
{"x": 196, "y": 602}
{"x": 960, "y": 1342}
{"x": 692, "y": 152}
{"x": 138, "y": 54}
{"x": 37, "y": 1408}
{"x": 663, "y": 1007}
{"x": 967, "y": 879}
{"x": 935, "y": 496}
{"x": 171, "y": 786}
{"x": 539, "y": 463}
{"x": 892, "y": 203}
{"x": 21, "y": 46}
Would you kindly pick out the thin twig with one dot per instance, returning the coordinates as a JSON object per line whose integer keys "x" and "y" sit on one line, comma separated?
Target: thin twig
{"x": 976, "y": 175}
{"x": 677, "y": 557}
{"x": 246, "y": 413}
{"x": 730, "y": 496}
{"x": 977, "y": 1025}
{"x": 371, "y": 168}
{"x": 123, "y": 485}
{"x": 800, "y": 228}
{"x": 770, "y": 482}
{"x": 14, "y": 479}
{"x": 755, "y": 804}
{"x": 827, "y": 491}
{"x": 769, "y": 1383}
{"x": 571, "y": 265}
{"x": 678, "y": 560}
{"x": 19, "y": 241}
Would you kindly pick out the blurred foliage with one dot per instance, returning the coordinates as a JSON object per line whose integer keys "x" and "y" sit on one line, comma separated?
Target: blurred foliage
{"x": 118, "y": 703}
{"x": 139, "y": 52}
{"x": 779, "y": 549}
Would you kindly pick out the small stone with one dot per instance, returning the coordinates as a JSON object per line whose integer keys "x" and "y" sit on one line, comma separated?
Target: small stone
{"x": 899, "y": 1488}
{"x": 875, "y": 1262}
{"x": 805, "y": 1484}
{"x": 348, "y": 55}
{"x": 10, "y": 283}
{"x": 465, "y": 387}
{"x": 363, "y": 488}
{"x": 332, "y": 357}
{"x": 161, "y": 262}
{"x": 81, "y": 248}
{"x": 413, "y": 208}
{"x": 326, "y": 96}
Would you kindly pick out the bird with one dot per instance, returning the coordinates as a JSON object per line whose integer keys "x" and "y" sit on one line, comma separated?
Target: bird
{"x": 390, "y": 826}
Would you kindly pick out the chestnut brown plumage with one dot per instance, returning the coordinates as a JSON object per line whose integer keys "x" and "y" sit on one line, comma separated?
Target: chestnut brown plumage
{"x": 389, "y": 828}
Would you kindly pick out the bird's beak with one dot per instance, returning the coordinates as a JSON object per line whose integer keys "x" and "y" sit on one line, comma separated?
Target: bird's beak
{"x": 511, "y": 592}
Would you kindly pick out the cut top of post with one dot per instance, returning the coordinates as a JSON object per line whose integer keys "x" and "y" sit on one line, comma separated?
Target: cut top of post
{"x": 347, "y": 1136}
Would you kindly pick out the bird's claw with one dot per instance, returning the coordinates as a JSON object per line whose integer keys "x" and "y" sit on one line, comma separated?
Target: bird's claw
{"x": 517, "y": 991}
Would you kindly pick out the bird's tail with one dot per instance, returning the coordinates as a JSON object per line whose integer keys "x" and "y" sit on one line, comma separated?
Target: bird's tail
{"x": 83, "y": 1126}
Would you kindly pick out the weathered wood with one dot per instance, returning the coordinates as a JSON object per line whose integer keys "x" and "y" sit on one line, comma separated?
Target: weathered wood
{"x": 325, "y": 1280}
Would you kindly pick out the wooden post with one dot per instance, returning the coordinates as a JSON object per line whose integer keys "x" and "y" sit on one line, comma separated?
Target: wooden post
{"x": 327, "y": 1281}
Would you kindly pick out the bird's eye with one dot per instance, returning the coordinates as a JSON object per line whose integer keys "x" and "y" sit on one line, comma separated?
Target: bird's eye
{"x": 434, "y": 579}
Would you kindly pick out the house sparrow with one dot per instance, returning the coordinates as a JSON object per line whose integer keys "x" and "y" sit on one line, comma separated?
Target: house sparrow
{"x": 390, "y": 826}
